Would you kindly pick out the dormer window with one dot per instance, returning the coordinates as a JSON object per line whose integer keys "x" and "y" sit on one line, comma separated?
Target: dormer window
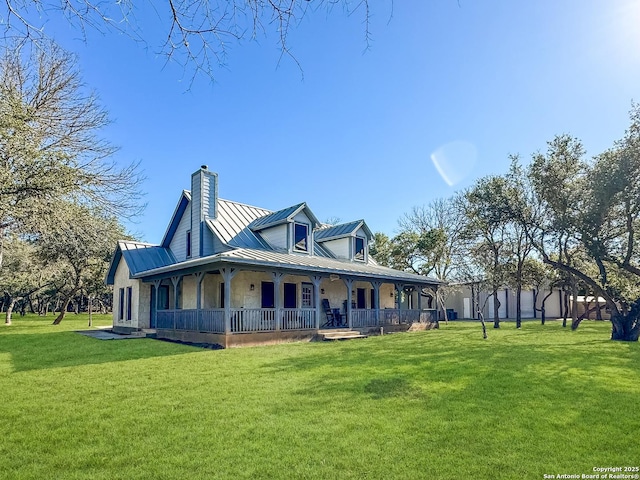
{"x": 301, "y": 237}
{"x": 359, "y": 250}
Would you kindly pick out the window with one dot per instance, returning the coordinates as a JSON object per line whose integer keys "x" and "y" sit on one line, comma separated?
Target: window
{"x": 121, "y": 304}
{"x": 300, "y": 237}
{"x": 163, "y": 297}
{"x": 307, "y": 295}
{"x": 359, "y": 251}
{"x": 222, "y": 295}
{"x": 129, "y": 298}
{"x": 290, "y": 295}
{"x": 188, "y": 243}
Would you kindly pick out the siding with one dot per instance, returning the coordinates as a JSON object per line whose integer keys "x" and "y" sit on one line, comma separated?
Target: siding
{"x": 178, "y": 244}
{"x": 276, "y": 236}
{"x": 340, "y": 247}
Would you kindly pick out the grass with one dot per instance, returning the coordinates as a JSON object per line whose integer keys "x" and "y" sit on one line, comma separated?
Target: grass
{"x": 440, "y": 404}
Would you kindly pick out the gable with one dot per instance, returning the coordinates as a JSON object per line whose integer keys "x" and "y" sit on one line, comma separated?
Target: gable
{"x": 176, "y": 218}
{"x": 139, "y": 257}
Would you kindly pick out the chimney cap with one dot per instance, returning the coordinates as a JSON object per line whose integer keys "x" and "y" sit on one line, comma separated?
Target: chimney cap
{"x": 204, "y": 167}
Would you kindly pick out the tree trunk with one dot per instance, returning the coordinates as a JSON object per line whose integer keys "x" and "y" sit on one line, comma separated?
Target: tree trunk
{"x": 63, "y": 310}
{"x": 518, "y": 306}
{"x": 574, "y": 304}
{"x": 566, "y": 309}
{"x": 625, "y": 327}
{"x": 496, "y": 307}
{"x": 7, "y": 318}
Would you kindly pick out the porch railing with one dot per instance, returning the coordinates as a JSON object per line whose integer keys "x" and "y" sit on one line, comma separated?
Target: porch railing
{"x": 246, "y": 320}
{"x": 389, "y": 316}
{"x": 298, "y": 319}
{"x": 208, "y": 321}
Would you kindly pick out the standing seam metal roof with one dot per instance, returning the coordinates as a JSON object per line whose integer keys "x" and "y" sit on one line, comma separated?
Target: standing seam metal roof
{"x": 305, "y": 263}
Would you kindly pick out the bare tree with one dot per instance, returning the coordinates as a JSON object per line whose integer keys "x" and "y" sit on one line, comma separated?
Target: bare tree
{"x": 195, "y": 33}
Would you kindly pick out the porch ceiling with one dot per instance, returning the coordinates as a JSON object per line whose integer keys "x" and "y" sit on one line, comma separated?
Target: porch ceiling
{"x": 306, "y": 264}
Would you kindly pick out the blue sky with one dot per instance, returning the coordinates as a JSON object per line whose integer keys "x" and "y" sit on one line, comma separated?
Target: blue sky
{"x": 352, "y": 134}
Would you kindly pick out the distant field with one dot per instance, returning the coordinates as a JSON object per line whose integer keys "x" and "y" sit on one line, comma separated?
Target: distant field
{"x": 440, "y": 404}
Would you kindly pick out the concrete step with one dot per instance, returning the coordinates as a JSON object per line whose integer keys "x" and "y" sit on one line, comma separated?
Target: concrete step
{"x": 341, "y": 335}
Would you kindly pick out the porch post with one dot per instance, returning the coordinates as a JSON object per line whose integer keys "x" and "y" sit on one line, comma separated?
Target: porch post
{"x": 199, "y": 279}
{"x": 277, "y": 281}
{"x": 376, "y": 293}
{"x": 175, "y": 281}
{"x": 419, "y": 290}
{"x": 316, "y": 280}
{"x": 399, "y": 289}
{"x": 348, "y": 283}
{"x": 156, "y": 286}
{"x": 227, "y": 275}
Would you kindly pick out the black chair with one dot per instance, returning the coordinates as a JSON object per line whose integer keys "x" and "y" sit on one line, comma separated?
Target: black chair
{"x": 334, "y": 319}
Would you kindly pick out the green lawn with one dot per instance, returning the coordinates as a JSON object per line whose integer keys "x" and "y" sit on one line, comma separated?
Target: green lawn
{"x": 440, "y": 405}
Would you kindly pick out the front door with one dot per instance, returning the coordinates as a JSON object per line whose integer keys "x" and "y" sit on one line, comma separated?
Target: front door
{"x": 361, "y": 301}
{"x": 268, "y": 295}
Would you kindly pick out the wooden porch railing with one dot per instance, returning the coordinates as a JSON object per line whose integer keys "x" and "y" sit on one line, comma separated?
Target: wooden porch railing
{"x": 207, "y": 321}
{"x": 246, "y": 320}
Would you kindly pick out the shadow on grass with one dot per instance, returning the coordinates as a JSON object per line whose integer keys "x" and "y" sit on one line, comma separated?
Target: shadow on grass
{"x": 544, "y": 363}
{"x": 68, "y": 349}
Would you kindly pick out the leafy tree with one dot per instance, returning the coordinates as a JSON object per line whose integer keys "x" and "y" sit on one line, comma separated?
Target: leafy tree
{"x": 82, "y": 244}
{"x": 486, "y": 207}
{"x": 50, "y": 148}
{"x": 584, "y": 221}
{"x": 22, "y": 275}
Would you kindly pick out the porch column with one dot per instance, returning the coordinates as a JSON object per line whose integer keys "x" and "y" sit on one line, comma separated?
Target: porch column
{"x": 199, "y": 278}
{"x": 175, "y": 281}
{"x": 376, "y": 300}
{"x": 277, "y": 281}
{"x": 156, "y": 286}
{"x": 317, "y": 280}
{"x": 349, "y": 284}
{"x": 399, "y": 289}
{"x": 227, "y": 275}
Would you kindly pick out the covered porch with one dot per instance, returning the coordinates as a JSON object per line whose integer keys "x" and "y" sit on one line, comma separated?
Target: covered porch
{"x": 279, "y": 303}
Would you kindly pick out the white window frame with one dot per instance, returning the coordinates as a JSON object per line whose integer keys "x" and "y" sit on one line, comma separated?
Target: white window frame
{"x": 295, "y": 248}
{"x": 364, "y": 249}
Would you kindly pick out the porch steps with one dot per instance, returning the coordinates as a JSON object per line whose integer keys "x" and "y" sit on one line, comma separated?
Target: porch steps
{"x": 148, "y": 332}
{"x": 339, "y": 334}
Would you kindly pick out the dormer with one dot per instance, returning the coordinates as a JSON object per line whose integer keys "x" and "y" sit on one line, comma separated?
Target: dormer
{"x": 349, "y": 241}
{"x": 290, "y": 229}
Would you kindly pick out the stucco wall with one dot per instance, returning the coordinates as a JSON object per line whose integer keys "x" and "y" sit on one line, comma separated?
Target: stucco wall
{"x": 140, "y": 299}
{"x": 243, "y": 297}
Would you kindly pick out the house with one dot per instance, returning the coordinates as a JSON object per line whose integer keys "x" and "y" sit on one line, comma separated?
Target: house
{"x": 234, "y": 274}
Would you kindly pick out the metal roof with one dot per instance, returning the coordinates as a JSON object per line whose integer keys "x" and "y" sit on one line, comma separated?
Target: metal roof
{"x": 140, "y": 257}
{"x": 231, "y": 224}
{"x": 283, "y": 216}
{"x": 342, "y": 230}
{"x": 292, "y": 262}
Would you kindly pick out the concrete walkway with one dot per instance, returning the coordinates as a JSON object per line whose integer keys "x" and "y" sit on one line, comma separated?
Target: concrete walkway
{"x": 107, "y": 335}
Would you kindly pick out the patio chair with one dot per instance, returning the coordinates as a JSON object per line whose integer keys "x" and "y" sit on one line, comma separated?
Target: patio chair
{"x": 334, "y": 318}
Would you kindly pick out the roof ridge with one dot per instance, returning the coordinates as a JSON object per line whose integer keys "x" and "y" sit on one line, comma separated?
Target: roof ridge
{"x": 246, "y": 205}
